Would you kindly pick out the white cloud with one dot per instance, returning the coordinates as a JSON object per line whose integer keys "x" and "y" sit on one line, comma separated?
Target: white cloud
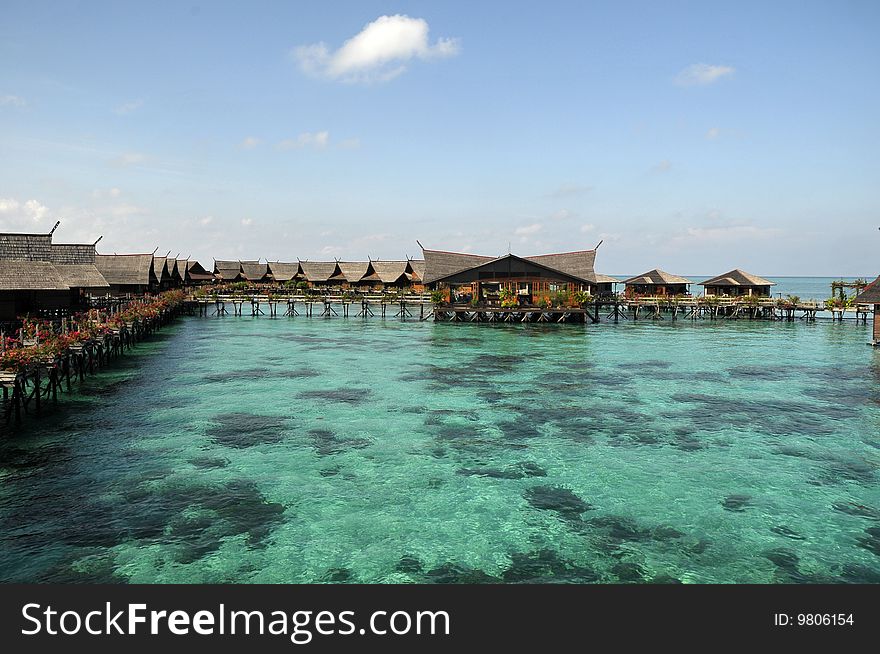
{"x": 16, "y": 215}
{"x": 129, "y": 159}
{"x": 586, "y": 229}
{"x": 128, "y": 107}
{"x": 712, "y": 133}
{"x": 349, "y": 144}
{"x": 726, "y": 234}
{"x": 249, "y": 143}
{"x": 663, "y": 167}
{"x": 528, "y": 230}
{"x": 378, "y": 53}
{"x": 247, "y": 222}
{"x": 12, "y": 101}
{"x": 206, "y": 220}
{"x": 702, "y": 74}
{"x": 124, "y": 210}
{"x": 331, "y": 250}
{"x": 316, "y": 140}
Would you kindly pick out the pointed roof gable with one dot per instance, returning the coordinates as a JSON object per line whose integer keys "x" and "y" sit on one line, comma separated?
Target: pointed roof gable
{"x": 126, "y": 269}
{"x": 283, "y": 272}
{"x": 319, "y": 271}
{"x": 524, "y": 266}
{"x": 657, "y": 277}
{"x": 354, "y": 271}
{"x": 737, "y": 277}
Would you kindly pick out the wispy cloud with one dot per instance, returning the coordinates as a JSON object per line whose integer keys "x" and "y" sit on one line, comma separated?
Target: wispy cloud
{"x": 702, "y": 74}
{"x": 712, "y": 133}
{"x": 378, "y": 53}
{"x": 249, "y": 143}
{"x": 15, "y": 214}
{"x": 128, "y": 107}
{"x": 247, "y": 222}
{"x": 100, "y": 193}
{"x": 316, "y": 140}
{"x": 586, "y": 229}
{"x": 12, "y": 101}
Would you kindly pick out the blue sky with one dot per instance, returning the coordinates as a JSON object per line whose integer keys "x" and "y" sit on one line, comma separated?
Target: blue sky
{"x": 694, "y": 137}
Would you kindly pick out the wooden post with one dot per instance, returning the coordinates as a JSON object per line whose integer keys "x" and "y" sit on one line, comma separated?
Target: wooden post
{"x": 877, "y": 324}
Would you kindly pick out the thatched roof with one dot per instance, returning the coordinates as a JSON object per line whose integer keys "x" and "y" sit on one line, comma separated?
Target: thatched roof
{"x": 26, "y": 247}
{"x": 81, "y": 275}
{"x": 737, "y": 278}
{"x": 390, "y": 272}
{"x": 180, "y": 266}
{"x": 577, "y": 264}
{"x": 126, "y": 269}
{"x": 657, "y": 277}
{"x": 439, "y": 264}
{"x": 870, "y": 294}
{"x": 160, "y": 268}
{"x": 228, "y": 271}
{"x": 17, "y": 275}
{"x": 196, "y": 272}
{"x": 66, "y": 253}
{"x": 283, "y": 272}
{"x": 599, "y": 278}
{"x": 491, "y": 269}
{"x": 418, "y": 268}
{"x": 320, "y": 271}
{"x": 354, "y": 271}
{"x": 254, "y": 270}
{"x": 171, "y": 265}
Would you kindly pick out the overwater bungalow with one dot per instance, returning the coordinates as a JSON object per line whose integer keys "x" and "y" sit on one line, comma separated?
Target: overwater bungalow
{"x": 283, "y": 272}
{"x": 196, "y": 274}
{"x": 321, "y": 274}
{"x": 354, "y": 272}
{"x": 529, "y": 279}
{"x": 256, "y": 272}
{"x": 228, "y": 271}
{"x": 656, "y": 283}
{"x": 737, "y": 283}
{"x": 128, "y": 273}
{"x": 871, "y": 295}
{"x": 388, "y": 274}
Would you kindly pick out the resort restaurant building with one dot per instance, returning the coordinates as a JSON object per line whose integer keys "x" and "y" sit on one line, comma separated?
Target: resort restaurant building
{"x": 38, "y": 276}
{"x": 656, "y": 283}
{"x": 737, "y": 283}
{"x": 469, "y": 277}
{"x": 871, "y": 295}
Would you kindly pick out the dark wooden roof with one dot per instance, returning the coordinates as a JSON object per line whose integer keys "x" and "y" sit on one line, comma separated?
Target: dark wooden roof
{"x": 160, "y": 269}
{"x": 737, "y": 277}
{"x": 67, "y": 253}
{"x": 510, "y": 265}
{"x": 126, "y": 269}
{"x": 196, "y": 272}
{"x": 657, "y": 277}
{"x": 440, "y": 264}
{"x": 26, "y": 247}
{"x": 870, "y": 294}
{"x": 283, "y": 272}
{"x": 18, "y": 275}
{"x": 577, "y": 264}
{"x": 228, "y": 271}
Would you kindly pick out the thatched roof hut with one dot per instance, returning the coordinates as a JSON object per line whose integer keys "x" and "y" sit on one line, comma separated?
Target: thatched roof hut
{"x": 254, "y": 271}
{"x": 228, "y": 271}
{"x": 283, "y": 272}
{"x": 76, "y": 265}
{"x": 354, "y": 271}
{"x": 196, "y": 273}
{"x": 26, "y": 247}
{"x": 737, "y": 282}
{"x": 440, "y": 264}
{"x": 127, "y": 270}
{"x": 657, "y": 282}
{"x": 389, "y": 273}
{"x": 320, "y": 272}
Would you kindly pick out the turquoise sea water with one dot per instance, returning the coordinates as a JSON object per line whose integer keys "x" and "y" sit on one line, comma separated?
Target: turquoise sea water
{"x": 303, "y": 450}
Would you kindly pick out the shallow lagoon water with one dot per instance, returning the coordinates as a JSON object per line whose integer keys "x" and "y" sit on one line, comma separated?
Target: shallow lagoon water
{"x": 307, "y": 450}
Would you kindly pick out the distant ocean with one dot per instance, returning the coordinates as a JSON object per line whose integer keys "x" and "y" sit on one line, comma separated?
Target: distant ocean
{"x": 807, "y": 288}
